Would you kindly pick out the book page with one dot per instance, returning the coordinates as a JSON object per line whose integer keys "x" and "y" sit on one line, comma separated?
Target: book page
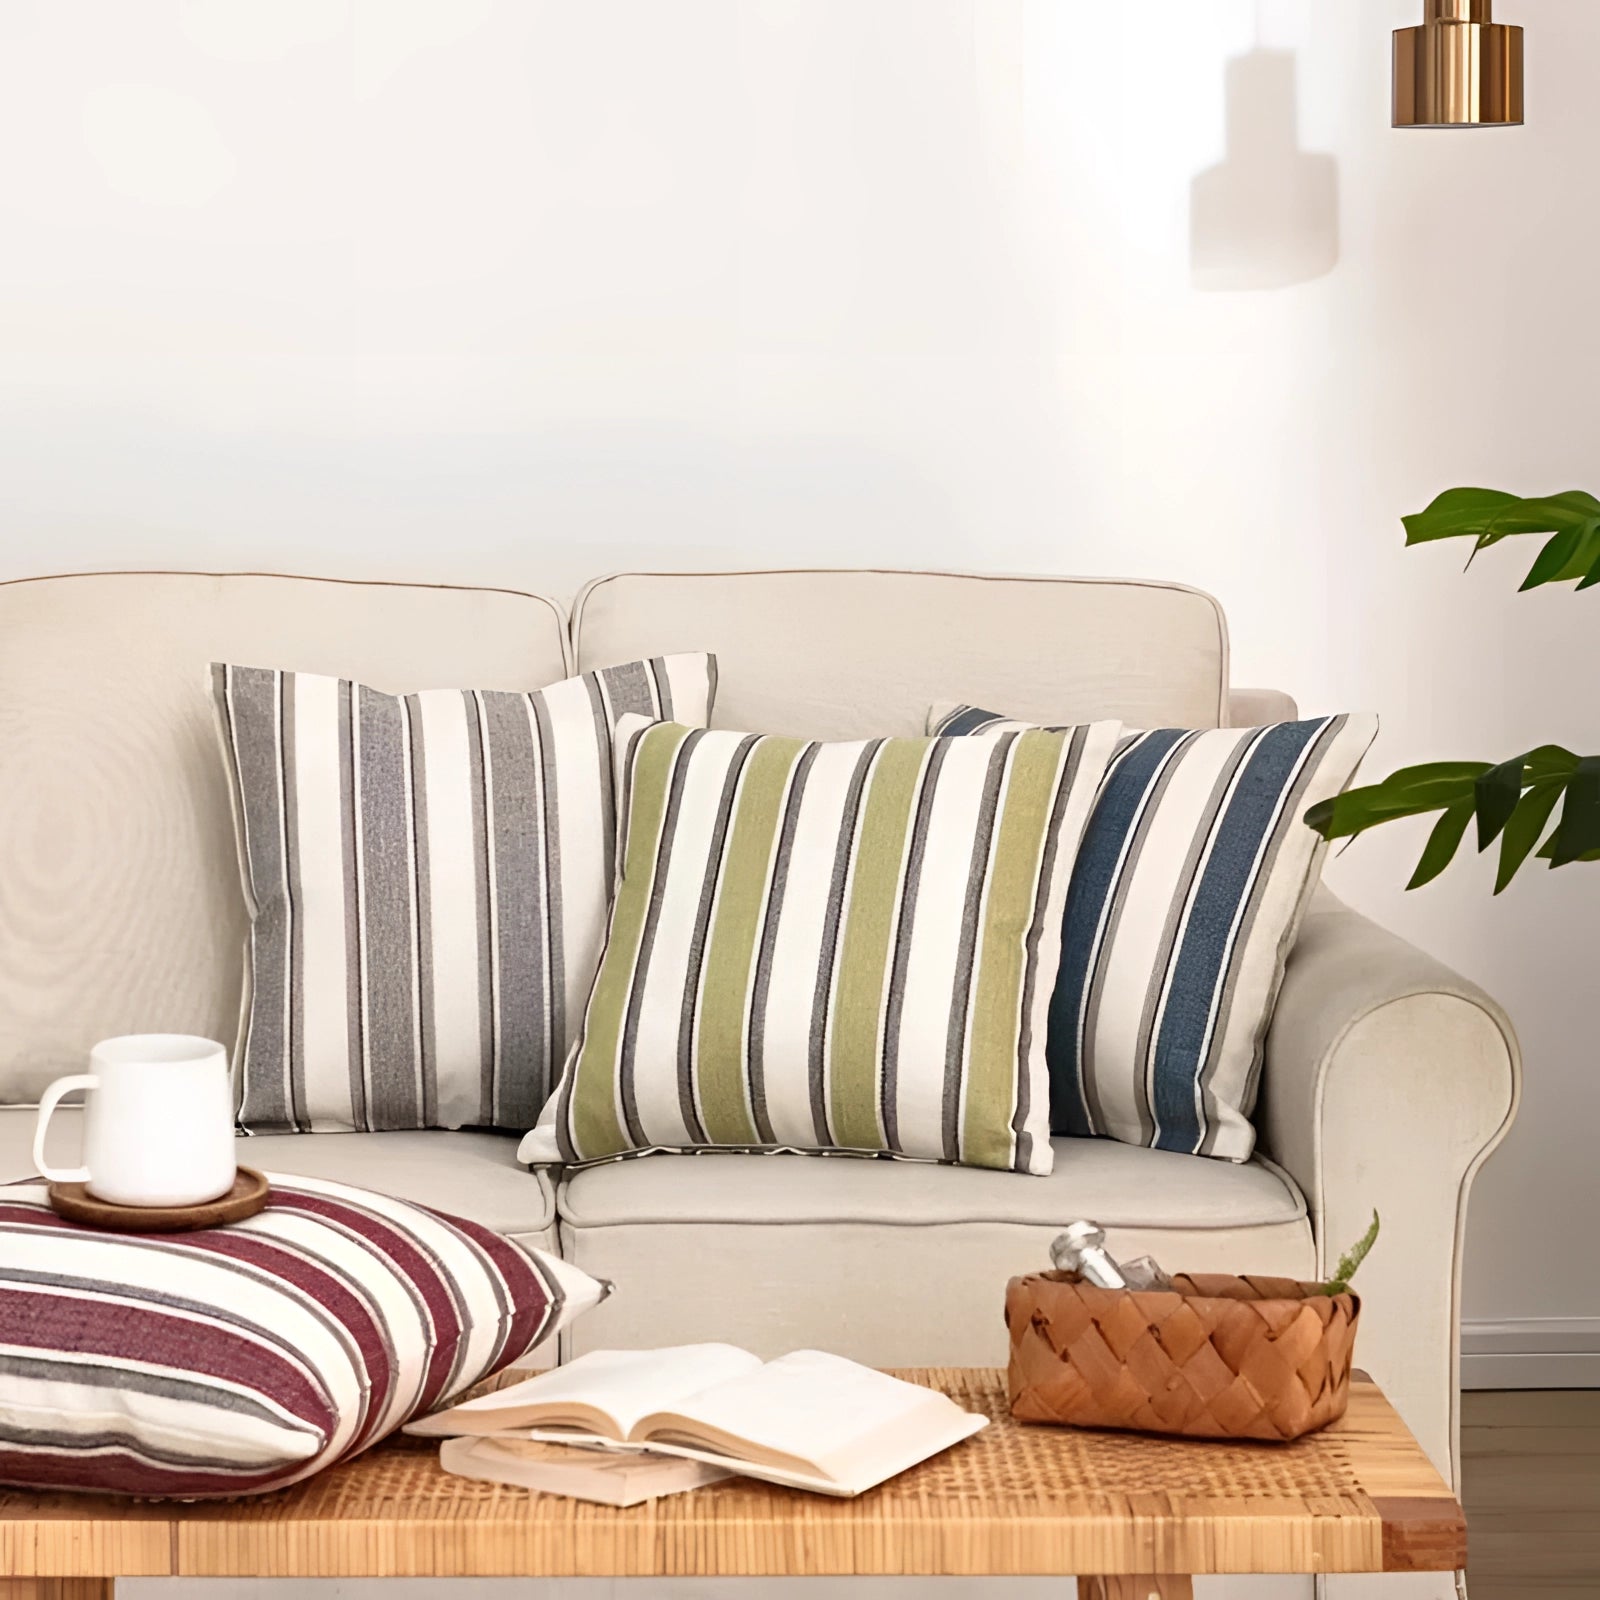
{"x": 604, "y": 1392}
{"x": 609, "y": 1477}
{"x": 814, "y": 1413}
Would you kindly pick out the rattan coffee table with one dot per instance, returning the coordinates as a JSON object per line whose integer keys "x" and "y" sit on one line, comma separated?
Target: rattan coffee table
{"x": 1135, "y": 1516}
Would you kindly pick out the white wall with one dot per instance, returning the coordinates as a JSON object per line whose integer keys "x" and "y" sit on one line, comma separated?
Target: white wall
{"x": 522, "y": 291}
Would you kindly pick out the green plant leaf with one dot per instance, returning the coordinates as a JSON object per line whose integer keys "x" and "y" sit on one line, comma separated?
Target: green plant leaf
{"x": 1567, "y": 558}
{"x": 1456, "y": 513}
{"x": 1351, "y": 1260}
{"x": 1512, "y": 801}
{"x": 1407, "y": 793}
{"x": 1578, "y": 832}
{"x": 1550, "y": 761}
{"x": 1486, "y": 516}
{"x": 1495, "y": 797}
{"x": 1548, "y": 849}
{"x": 1522, "y": 832}
{"x": 1442, "y": 843}
{"x": 1500, "y": 790}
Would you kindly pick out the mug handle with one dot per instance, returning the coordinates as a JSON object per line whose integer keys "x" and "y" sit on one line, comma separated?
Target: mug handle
{"x": 47, "y": 1103}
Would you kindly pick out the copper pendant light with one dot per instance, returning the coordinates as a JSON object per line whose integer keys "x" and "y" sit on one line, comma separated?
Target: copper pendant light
{"x": 1460, "y": 69}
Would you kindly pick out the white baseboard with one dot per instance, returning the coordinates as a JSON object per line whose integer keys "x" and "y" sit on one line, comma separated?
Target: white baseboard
{"x": 1531, "y": 1353}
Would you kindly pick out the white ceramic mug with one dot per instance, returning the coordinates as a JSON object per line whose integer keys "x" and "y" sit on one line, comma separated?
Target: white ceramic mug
{"x": 157, "y": 1125}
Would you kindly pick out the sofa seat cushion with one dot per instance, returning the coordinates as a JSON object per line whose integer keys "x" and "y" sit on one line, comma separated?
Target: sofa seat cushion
{"x": 889, "y": 1262}
{"x": 1118, "y": 1185}
{"x": 473, "y": 1175}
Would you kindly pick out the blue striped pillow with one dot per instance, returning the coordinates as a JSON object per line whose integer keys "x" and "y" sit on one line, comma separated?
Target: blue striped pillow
{"x": 1185, "y": 898}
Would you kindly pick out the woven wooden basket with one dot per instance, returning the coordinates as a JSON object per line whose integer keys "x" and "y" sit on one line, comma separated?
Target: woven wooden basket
{"x": 1217, "y": 1358}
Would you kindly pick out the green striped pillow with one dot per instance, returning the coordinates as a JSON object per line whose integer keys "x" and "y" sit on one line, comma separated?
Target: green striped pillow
{"x": 830, "y": 947}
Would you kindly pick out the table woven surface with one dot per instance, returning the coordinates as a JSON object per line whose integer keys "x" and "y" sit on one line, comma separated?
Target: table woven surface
{"x": 1358, "y": 1497}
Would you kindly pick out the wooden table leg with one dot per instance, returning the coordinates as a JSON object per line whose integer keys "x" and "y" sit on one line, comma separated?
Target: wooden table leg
{"x": 56, "y": 1588}
{"x": 1166, "y": 1586}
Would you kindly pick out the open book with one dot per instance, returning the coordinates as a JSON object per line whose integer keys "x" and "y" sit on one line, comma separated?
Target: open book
{"x": 610, "y": 1477}
{"x": 808, "y": 1419}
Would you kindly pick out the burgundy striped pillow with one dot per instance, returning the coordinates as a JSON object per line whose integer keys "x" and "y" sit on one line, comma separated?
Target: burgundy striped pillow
{"x": 240, "y": 1359}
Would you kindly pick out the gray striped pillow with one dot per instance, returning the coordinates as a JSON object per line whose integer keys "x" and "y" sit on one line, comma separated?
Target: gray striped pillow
{"x": 236, "y": 1360}
{"x": 830, "y": 947}
{"x": 428, "y": 877}
{"x": 1193, "y": 877}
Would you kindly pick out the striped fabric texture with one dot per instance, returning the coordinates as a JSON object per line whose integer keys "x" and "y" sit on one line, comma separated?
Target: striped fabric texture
{"x": 1186, "y": 897}
{"x": 830, "y": 947}
{"x": 428, "y": 877}
{"x": 240, "y": 1359}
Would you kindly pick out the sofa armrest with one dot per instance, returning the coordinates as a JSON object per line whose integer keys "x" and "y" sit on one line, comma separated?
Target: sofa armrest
{"x": 1255, "y": 708}
{"x": 1388, "y": 1081}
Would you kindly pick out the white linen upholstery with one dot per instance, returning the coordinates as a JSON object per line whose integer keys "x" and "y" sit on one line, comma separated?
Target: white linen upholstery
{"x": 474, "y": 1175}
{"x": 1389, "y": 1080}
{"x": 1259, "y": 708}
{"x": 892, "y": 1263}
{"x": 848, "y": 655}
{"x": 120, "y": 905}
{"x": 879, "y": 1292}
{"x": 1120, "y": 1185}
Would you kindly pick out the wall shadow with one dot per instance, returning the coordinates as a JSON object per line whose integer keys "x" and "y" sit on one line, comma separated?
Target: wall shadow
{"x": 1267, "y": 215}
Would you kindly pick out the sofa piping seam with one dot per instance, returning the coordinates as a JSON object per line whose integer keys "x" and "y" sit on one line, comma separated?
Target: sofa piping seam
{"x": 1302, "y": 1216}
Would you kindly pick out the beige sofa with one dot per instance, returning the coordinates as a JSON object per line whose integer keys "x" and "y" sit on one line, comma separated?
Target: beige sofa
{"x": 1388, "y": 1078}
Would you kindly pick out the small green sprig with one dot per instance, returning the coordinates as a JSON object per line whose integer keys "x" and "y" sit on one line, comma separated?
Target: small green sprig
{"x": 1339, "y": 1283}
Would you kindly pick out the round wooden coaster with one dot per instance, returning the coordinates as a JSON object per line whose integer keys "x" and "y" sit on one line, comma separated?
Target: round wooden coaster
{"x": 250, "y": 1192}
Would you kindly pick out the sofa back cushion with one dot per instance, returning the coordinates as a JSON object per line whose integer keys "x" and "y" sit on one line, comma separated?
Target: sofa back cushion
{"x": 120, "y": 902}
{"x": 853, "y": 654}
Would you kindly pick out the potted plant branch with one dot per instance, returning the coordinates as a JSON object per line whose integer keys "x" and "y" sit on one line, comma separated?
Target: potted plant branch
{"x": 1512, "y": 801}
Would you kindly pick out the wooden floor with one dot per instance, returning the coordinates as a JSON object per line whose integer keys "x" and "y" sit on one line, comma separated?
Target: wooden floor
{"x": 1532, "y": 1493}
